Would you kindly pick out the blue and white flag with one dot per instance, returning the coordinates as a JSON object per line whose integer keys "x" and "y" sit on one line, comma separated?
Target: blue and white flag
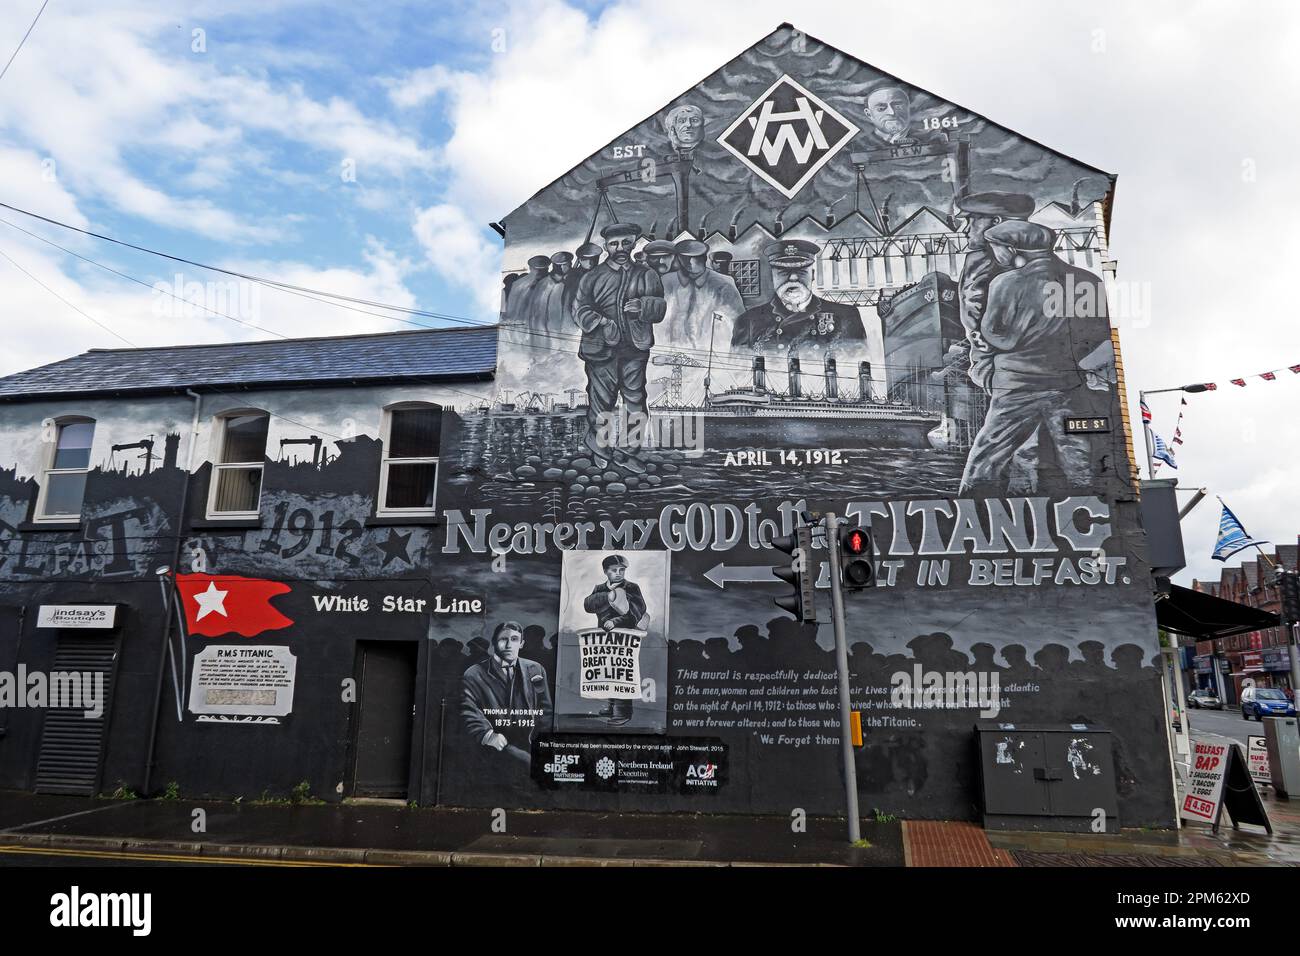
{"x": 1232, "y": 537}
{"x": 1163, "y": 451}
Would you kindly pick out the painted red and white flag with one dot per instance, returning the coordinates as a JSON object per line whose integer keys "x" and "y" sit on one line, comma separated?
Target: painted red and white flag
{"x": 1268, "y": 376}
{"x": 1239, "y": 381}
{"x": 217, "y": 604}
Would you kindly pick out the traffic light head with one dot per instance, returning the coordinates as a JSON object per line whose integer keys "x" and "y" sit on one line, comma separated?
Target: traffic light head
{"x": 857, "y": 557}
{"x": 1290, "y": 588}
{"x": 798, "y": 573}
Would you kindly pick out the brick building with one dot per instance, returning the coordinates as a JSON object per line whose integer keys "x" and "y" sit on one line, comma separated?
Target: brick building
{"x": 1222, "y": 664}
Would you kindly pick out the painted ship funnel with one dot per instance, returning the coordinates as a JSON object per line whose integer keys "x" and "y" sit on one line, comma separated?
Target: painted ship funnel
{"x": 864, "y": 382}
{"x": 832, "y": 380}
{"x": 760, "y": 374}
{"x": 795, "y": 390}
{"x": 732, "y": 228}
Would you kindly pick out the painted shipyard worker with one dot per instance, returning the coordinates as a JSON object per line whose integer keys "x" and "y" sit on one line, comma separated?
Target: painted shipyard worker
{"x": 695, "y": 295}
{"x": 1041, "y": 361}
{"x": 505, "y": 698}
{"x": 981, "y": 212}
{"x": 618, "y": 304}
{"x": 796, "y": 320}
{"x": 617, "y": 603}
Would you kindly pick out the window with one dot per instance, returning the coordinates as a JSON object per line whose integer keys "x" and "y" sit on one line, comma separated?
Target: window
{"x": 64, "y": 484}
{"x": 746, "y": 275}
{"x": 408, "y": 475}
{"x": 236, "y": 488}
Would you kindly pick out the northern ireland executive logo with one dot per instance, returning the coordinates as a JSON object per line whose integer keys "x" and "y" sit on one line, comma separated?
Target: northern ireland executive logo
{"x": 787, "y": 135}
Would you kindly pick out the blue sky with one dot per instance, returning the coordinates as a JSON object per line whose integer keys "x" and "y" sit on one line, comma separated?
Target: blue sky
{"x": 453, "y": 114}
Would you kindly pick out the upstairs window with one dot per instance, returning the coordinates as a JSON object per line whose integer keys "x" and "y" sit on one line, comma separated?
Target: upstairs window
{"x": 236, "y": 489}
{"x": 408, "y": 475}
{"x": 63, "y": 486}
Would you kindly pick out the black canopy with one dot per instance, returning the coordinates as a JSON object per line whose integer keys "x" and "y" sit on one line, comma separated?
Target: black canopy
{"x": 1202, "y": 615}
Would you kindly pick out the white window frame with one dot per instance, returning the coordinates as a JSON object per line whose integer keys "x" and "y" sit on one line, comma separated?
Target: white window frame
{"x": 382, "y": 510}
{"x": 40, "y": 517}
{"x": 218, "y": 467}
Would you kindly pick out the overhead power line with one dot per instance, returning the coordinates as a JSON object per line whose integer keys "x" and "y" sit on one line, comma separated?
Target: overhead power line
{"x": 23, "y": 40}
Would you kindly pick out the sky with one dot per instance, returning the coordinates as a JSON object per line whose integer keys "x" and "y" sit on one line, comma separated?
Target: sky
{"x": 364, "y": 149}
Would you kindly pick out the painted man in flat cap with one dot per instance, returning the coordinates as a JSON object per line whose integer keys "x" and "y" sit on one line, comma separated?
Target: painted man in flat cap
{"x": 983, "y": 211}
{"x": 695, "y": 294}
{"x": 796, "y": 320}
{"x": 618, "y": 304}
{"x": 1043, "y": 361}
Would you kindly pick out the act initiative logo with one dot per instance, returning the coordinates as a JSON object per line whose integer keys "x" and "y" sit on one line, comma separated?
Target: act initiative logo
{"x": 786, "y": 135}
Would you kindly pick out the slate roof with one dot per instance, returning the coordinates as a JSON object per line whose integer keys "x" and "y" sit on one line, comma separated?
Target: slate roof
{"x": 1288, "y": 555}
{"x": 426, "y": 354}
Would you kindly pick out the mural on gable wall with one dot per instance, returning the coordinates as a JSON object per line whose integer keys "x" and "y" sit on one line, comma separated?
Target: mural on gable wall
{"x": 802, "y": 285}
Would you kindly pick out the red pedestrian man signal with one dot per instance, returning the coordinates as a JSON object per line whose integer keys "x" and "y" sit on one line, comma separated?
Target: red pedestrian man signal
{"x": 857, "y": 558}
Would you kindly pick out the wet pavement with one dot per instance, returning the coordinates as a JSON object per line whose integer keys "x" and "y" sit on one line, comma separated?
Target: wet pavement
{"x": 1194, "y": 845}
{"x": 356, "y": 832}
{"x": 31, "y": 825}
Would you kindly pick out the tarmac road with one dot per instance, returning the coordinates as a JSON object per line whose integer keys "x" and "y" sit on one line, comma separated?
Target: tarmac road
{"x": 1226, "y": 722}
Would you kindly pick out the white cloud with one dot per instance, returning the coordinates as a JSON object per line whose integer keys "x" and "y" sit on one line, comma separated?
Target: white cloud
{"x": 134, "y": 118}
{"x": 461, "y": 251}
{"x": 1119, "y": 85}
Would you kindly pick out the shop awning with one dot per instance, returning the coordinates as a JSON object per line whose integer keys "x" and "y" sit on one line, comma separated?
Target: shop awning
{"x": 1198, "y": 614}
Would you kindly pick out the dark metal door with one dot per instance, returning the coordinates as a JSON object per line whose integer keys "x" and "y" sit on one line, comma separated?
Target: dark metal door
{"x": 386, "y": 706}
{"x": 72, "y": 744}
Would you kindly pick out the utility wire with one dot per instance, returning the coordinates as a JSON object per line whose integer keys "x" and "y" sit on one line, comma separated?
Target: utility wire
{"x": 118, "y": 335}
{"x": 23, "y": 40}
{"x": 720, "y": 360}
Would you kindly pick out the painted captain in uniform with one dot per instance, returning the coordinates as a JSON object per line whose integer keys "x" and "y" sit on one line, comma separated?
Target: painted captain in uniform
{"x": 796, "y": 320}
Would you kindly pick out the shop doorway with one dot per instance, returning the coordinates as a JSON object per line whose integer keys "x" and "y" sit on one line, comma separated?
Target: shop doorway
{"x": 73, "y": 737}
{"x": 385, "y": 717}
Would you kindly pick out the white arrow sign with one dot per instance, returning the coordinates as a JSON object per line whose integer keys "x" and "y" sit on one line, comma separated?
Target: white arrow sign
{"x": 720, "y": 574}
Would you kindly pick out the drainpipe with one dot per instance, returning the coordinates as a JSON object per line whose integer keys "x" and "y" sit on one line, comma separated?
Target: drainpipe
{"x": 168, "y": 609}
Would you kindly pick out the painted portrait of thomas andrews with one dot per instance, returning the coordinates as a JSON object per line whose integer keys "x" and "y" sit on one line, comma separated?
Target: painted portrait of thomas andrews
{"x": 505, "y": 699}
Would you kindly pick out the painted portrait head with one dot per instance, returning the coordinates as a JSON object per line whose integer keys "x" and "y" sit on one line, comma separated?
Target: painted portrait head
{"x": 685, "y": 127}
{"x": 890, "y": 112}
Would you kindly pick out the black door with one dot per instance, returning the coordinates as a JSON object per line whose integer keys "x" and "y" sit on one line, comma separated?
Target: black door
{"x": 386, "y": 705}
{"x": 72, "y": 744}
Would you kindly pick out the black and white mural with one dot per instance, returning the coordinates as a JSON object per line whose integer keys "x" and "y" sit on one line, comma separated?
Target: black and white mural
{"x": 613, "y": 664}
{"x": 804, "y": 285}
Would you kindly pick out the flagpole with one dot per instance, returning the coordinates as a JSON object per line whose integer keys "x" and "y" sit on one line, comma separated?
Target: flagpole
{"x": 1146, "y": 425}
{"x": 1146, "y": 436}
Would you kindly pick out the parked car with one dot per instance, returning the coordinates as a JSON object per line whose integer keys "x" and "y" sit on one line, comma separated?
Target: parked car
{"x": 1260, "y": 702}
{"x": 1207, "y": 699}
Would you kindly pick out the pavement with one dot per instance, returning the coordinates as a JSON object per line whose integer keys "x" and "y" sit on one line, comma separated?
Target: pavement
{"x": 385, "y": 834}
{"x": 49, "y": 830}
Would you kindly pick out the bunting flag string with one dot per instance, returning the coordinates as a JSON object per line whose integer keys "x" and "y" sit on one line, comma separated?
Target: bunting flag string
{"x": 1163, "y": 453}
{"x": 1270, "y": 376}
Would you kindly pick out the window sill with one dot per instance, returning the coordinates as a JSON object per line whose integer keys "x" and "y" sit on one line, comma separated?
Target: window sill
{"x": 29, "y": 526}
{"x": 391, "y": 521}
{"x": 229, "y": 524}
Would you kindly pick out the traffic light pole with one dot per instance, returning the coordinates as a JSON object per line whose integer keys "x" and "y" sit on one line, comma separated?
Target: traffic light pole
{"x": 842, "y": 667}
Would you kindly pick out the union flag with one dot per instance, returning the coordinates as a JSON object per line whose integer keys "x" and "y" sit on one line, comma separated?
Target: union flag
{"x": 217, "y": 604}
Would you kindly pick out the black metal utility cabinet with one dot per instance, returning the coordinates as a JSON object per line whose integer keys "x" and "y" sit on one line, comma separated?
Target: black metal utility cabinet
{"x": 1047, "y": 777}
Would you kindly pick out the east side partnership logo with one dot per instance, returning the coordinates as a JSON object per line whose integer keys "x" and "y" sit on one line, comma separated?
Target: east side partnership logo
{"x": 787, "y": 135}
